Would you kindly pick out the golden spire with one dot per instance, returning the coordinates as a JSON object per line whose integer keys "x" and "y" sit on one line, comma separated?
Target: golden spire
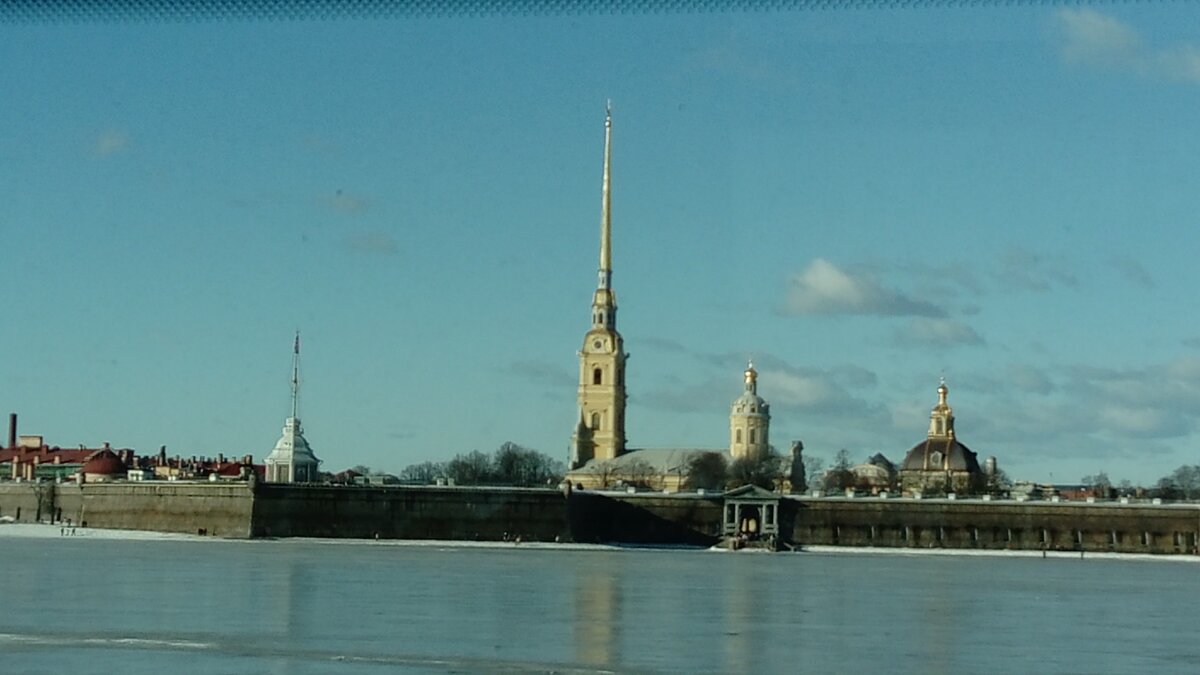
{"x": 751, "y": 377}
{"x": 606, "y": 204}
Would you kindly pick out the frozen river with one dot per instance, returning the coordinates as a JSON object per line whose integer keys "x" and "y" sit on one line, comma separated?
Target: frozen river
{"x": 98, "y": 604}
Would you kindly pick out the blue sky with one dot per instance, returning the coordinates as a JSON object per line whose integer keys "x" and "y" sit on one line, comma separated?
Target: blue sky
{"x": 860, "y": 201}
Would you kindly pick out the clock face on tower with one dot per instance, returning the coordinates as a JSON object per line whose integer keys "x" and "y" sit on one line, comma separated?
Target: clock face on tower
{"x": 597, "y": 344}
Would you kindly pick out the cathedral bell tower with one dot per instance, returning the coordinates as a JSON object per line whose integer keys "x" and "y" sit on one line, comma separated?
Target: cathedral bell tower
{"x": 600, "y": 429}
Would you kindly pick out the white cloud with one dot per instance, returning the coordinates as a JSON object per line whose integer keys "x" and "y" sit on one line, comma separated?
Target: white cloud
{"x": 372, "y": 242}
{"x": 664, "y": 344}
{"x": 1132, "y": 271}
{"x": 1029, "y": 379}
{"x": 824, "y": 288}
{"x": 1094, "y": 39}
{"x": 801, "y": 390}
{"x": 1023, "y": 268}
{"x": 110, "y": 142}
{"x": 943, "y": 333}
{"x": 1181, "y": 62}
{"x": 1142, "y": 421}
{"x": 542, "y": 373}
{"x": 347, "y": 203}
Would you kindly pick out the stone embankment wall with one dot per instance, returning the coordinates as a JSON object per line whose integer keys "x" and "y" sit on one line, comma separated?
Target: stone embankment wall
{"x": 645, "y": 518}
{"x": 978, "y": 524}
{"x": 217, "y": 509}
{"x": 26, "y": 502}
{"x": 242, "y": 510}
{"x": 406, "y": 512}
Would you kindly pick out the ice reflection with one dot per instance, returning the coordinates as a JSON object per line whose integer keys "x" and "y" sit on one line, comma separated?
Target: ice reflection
{"x": 598, "y": 605}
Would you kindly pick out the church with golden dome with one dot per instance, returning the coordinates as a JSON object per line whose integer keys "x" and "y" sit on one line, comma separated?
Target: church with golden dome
{"x": 940, "y": 464}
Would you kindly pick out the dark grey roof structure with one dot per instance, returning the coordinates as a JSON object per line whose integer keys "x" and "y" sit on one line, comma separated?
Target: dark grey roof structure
{"x": 940, "y": 454}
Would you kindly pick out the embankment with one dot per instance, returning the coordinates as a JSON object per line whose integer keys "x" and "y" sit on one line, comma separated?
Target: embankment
{"x": 219, "y": 509}
{"x": 239, "y": 510}
{"x": 407, "y": 512}
{"x": 979, "y": 524}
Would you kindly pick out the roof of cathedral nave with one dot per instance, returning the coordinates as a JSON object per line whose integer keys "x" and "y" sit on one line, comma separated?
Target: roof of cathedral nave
{"x": 661, "y": 460}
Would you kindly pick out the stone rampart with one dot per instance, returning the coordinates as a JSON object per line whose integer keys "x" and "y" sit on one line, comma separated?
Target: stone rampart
{"x": 645, "y": 518}
{"x": 216, "y": 509}
{"x": 219, "y": 509}
{"x": 238, "y": 509}
{"x": 979, "y": 524}
{"x": 26, "y": 502}
{"x": 410, "y": 512}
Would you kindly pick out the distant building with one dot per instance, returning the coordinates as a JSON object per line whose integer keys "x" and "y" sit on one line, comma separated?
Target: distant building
{"x": 940, "y": 463}
{"x": 292, "y": 460}
{"x": 32, "y": 459}
{"x": 876, "y": 475}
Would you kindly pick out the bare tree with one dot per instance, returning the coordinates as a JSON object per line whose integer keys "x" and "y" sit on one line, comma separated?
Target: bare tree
{"x": 1099, "y": 483}
{"x": 762, "y": 470}
{"x": 516, "y": 465}
{"x": 1182, "y": 483}
{"x": 473, "y": 468}
{"x": 998, "y": 482}
{"x": 641, "y": 474}
{"x": 604, "y": 471}
{"x": 814, "y": 471}
{"x": 425, "y": 472}
{"x": 707, "y": 470}
{"x": 840, "y": 477}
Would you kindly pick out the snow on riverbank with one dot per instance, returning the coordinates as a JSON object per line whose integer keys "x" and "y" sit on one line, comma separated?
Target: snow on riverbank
{"x": 995, "y": 553}
{"x": 47, "y": 531}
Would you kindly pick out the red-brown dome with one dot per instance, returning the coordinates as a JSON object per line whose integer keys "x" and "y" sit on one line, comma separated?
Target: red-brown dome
{"x": 104, "y": 463}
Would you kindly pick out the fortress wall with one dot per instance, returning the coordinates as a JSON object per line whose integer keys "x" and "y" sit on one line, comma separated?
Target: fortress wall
{"x": 239, "y": 509}
{"x": 976, "y": 524}
{"x": 27, "y": 502}
{"x": 219, "y": 509}
{"x": 407, "y": 512}
{"x": 645, "y": 518}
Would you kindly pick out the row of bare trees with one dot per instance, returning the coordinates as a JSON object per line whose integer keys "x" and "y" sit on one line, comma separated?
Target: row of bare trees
{"x": 510, "y": 464}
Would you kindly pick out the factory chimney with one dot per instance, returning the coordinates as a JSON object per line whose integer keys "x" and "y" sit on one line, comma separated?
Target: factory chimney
{"x": 12, "y": 430}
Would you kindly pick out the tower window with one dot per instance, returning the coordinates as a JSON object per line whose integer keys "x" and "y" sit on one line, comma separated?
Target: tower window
{"x": 753, "y": 436}
{"x": 738, "y": 436}
{"x": 595, "y": 421}
{"x": 597, "y": 376}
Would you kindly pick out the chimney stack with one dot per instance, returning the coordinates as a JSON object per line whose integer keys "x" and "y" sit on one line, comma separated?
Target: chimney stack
{"x": 12, "y": 430}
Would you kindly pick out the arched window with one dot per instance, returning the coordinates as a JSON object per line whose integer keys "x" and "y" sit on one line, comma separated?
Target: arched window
{"x": 595, "y": 421}
{"x": 935, "y": 459}
{"x": 737, "y": 435}
{"x": 597, "y": 376}
{"x": 753, "y": 436}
